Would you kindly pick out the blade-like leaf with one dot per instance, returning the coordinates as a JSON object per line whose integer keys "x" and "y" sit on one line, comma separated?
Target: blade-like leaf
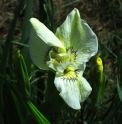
{"x": 26, "y": 32}
{"x": 6, "y": 53}
{"x": 119, "y": 90}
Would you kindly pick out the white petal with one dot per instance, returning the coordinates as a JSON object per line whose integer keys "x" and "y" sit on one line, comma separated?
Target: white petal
{"x": 89, "y": 45}
{"x": 38, "y": 50}
{"x": 73, "y": 91}
{"x": 45, "y": 34}
{"x": 86, "y": 88}
{"x": 76, "y": 34}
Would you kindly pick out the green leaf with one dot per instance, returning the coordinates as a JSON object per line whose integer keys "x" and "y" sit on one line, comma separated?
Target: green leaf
{"x": 12, "y": 108}
{"x": 21, "y": 75}
{"x": 26, "y": 33}
{"x": 26, "y": 24}
{"x": 5, "y": 54}
{"x": 36, "y": 114}
{"x": 119, "y": 90}
{"x": 112, "y": 113}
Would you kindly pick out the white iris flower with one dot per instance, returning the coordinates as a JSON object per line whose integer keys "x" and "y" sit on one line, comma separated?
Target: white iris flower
{"x": 65, "y": 53}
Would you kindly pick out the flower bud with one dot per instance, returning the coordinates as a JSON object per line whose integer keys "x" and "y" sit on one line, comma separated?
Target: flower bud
{"x": 99, "y": 64}
{"x": 99, "y": 69}
{"x": 21, "y": 75}
{"x": 98, "y": 82}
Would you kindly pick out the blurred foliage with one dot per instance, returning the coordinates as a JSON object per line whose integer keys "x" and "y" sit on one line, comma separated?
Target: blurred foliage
{"x": 104, "y": 17}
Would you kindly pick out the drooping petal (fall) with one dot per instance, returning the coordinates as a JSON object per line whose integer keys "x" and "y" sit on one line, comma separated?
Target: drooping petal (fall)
{"x": 38, "y": 50}
{"x": 73, "y": 88}
{"x": 45, "y": 34}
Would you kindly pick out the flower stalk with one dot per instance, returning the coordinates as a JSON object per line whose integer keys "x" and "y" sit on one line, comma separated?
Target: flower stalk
{"x": 98, "y": 83}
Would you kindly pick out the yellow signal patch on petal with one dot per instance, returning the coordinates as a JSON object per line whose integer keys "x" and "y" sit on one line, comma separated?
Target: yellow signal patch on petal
{"x": 69, "y": 73}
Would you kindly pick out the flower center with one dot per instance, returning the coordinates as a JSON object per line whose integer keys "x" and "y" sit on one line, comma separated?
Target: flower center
{"x": 72, "y": 54}
{"x": 59, "y": 57}
{"x": 63, "y": 62}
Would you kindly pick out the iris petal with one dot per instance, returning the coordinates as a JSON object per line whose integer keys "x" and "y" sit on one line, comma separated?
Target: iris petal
{"x": 38, "y": 50}
{"x": 45, "y": 34}
{"x": 77, "y": 35}
{"x": 73, "y": 90}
